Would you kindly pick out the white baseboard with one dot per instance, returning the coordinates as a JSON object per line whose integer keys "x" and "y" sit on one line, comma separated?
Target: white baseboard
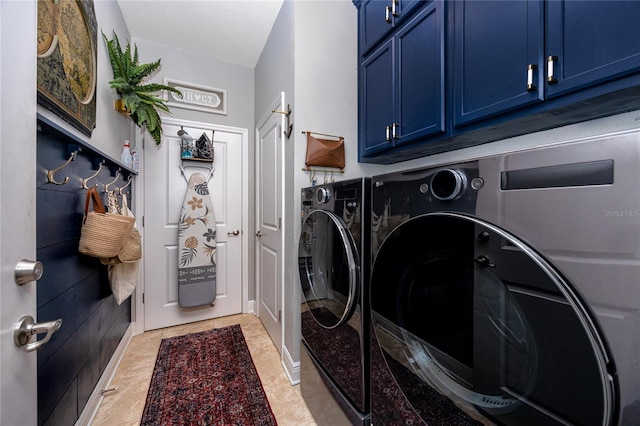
{"x": 291, "y": 368}
{"x": 90, "y": 410}
{"x": 251, "y": 307}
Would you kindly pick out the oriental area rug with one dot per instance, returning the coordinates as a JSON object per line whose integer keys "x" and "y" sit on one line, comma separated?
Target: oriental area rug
{"x": 206, "y": 378}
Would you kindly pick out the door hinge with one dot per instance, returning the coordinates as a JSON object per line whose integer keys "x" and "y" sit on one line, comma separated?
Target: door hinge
{"x": 143, "y": 221}
{"x": 280, "y": 316}
{"x": 279, "y": 223}
{"x": 143, "y": 298}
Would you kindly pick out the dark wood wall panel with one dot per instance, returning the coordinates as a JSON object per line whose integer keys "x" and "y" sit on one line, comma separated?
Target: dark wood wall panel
{"x": 74, "y": 287}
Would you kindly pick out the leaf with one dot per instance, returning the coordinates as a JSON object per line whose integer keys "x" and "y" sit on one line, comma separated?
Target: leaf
{"x": 187, "y": 255}
{"x": 139, "y": 99}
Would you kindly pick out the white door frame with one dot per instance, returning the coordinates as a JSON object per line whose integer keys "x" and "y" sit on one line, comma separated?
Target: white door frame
{"x": 138, "y": 315}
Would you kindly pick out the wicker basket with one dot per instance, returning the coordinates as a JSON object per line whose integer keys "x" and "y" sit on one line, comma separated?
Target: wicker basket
{"x": 102, "y": 234}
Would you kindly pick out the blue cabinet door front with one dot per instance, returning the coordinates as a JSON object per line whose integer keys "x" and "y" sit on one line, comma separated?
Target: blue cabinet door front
{"x": 590, "y": 42}
{"x": 420, "y": 76}
{"x": 374, "y": 22}
{"x": 376, "y": 101}
{"x": 498, "y": 46}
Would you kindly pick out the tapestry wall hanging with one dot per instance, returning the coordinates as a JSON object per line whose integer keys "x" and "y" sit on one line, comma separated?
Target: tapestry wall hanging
{"x": 66, "y": 50}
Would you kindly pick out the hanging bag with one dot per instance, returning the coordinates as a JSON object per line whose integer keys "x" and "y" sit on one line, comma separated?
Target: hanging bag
{"x": 324, "y": 152}
{"x": 131, "y": 250}
{"x": 102, "y": 234}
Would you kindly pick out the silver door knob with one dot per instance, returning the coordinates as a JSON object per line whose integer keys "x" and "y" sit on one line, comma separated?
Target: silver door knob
{"x": 27, "y": 271}
{"x": 258, "y": 234}
{"x": 234, "y": 233}
{"x": 27, "y": 327}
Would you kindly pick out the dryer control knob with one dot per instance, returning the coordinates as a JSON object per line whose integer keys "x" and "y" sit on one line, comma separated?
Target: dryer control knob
{"x": 323, "y": 195}
{"x": 448, "y": 184}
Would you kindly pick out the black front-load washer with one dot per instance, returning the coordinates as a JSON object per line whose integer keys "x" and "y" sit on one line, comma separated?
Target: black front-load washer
{"x": 505, "y": 290}
{"x": 334, "y": 264}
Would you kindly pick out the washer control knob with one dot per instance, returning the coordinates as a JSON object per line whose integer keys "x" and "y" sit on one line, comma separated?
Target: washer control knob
{"x": 323, "y": 195}
{"x": 448, "y": 184}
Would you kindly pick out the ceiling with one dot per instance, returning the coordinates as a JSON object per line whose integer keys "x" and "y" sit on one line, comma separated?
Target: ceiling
{"x": 233, "y": 31}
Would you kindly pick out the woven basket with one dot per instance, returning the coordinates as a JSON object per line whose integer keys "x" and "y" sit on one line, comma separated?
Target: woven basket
{"x": 102, "y": 234}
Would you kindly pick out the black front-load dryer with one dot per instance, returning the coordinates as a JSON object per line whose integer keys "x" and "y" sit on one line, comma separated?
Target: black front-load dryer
{"x": 334, "y": 263}
{"x": 505, "y": 290}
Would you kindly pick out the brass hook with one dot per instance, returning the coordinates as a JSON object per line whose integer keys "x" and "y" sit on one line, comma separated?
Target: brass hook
{"x": 106, "y": 187}
{"x": 84, "y": 181}
{"x": 50, "y": 173}
{"x": 128, "y": 183}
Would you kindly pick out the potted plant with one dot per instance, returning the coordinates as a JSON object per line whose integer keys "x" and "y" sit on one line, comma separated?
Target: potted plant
{"x": 139, "y": 99}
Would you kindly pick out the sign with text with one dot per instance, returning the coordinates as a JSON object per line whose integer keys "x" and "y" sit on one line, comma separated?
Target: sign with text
{"x": 197, "y": 97}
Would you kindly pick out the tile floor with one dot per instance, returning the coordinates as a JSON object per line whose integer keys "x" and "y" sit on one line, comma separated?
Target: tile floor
{"x": 125, "y": 406}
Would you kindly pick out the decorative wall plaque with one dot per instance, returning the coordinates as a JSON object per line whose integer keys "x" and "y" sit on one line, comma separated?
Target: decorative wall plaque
{"x": 66, "y": 50}
{"x": 197, "y": 97}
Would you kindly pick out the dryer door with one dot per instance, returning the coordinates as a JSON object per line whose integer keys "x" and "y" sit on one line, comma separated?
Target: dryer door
{"x": 475, "y": 324}
{"x": 330, "y": 321}
{"x": 328, "y": 268}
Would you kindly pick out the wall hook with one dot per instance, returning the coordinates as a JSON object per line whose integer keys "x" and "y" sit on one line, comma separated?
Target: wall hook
{"x": 286, "y": 113}
{"x": 106, "y": 187}
{"x": 84, "y": 181}
{"x": 128, "y": 183}
{"x": 50, "y": 173}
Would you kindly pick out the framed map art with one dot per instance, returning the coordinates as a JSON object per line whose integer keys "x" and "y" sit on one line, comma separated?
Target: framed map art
{"x": 67, "y": 32}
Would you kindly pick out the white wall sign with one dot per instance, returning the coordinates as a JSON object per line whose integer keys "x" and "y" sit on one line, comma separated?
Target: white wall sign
{"x": 197, "y": 97}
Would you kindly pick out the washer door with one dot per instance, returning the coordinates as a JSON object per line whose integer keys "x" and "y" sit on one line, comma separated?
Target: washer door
{"x": 330, "y": 321}
{"x": 467, "y": 310}
{"x": 328, "y": 268}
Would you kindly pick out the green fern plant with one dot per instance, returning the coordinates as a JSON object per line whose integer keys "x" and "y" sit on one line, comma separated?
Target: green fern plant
{"x": 139, "y": 99}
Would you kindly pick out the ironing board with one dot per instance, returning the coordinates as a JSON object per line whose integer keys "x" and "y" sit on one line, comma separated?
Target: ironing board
{"x": 197, "y": 246}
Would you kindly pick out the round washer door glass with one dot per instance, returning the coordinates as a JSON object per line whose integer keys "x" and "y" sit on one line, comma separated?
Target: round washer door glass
{"x": 467, "y": 310}
{"x": 328, "y": 269}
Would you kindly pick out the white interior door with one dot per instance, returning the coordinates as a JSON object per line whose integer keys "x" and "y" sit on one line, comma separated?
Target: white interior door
{"x": 165, "y": 189}
{"x": 269, "y": 221}
{"x": 18, "y": 395}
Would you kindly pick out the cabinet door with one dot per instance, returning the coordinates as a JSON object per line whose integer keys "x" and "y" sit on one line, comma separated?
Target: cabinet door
{"x": 376, "y": 100}
{"x": 594, "y": 41}
{"x": 494, "y": 44}
{"x": 419, "y": 62}
{"x": 372, "y": 22}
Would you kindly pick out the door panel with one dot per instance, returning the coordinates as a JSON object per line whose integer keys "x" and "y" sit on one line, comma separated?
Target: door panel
{"x": 18, "y": 402}
{"x": 165, "y": 189}
{"x": 269, "y": 218}
{"x": 590, "y": 49}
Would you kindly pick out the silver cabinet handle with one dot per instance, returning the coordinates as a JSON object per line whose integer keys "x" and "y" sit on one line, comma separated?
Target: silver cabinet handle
{"x": 394, "y": 11}
{"x": 394, "y": 126}
{"x": 530, "y": 86}
{"x": 234, "y": 233}
{"x": 388, "y": 135}
{"x": 387, "y": 16}
{"x": 27, "y": 271}
{"x": 551, "y": 79}
{"x": 258, "y": 234}
{"x": 27, "y": 327}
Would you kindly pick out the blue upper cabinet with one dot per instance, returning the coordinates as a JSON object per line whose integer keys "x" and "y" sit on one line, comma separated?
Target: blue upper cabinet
{"x": 402, "y": 85}
{"x": 497, "y": 47}
{"x": 378, "y": 17}
{"x": 589, "y": 42}
{"x": 441, "y": 75}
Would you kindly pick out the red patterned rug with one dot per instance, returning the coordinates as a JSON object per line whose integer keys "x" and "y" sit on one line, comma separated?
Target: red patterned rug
{"x": 206, "y": 378}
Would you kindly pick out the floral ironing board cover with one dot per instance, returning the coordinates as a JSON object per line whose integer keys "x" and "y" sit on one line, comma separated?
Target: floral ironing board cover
{"x": 197, "y": 246}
